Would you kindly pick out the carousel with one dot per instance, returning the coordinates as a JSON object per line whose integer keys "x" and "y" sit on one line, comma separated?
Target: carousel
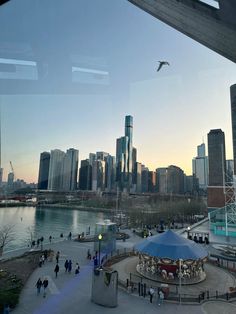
{"x": 169, "y": 257}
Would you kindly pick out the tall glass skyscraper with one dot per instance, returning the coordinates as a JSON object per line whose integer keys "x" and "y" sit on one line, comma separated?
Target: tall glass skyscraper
{"x": 124, "y": 156}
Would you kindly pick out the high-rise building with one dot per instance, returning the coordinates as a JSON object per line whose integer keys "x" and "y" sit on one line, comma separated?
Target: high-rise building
{"x": 144, "y": 179}
{"x": 151, "y": 181}
{"x": 92, "y": 157}
{"x": 10, "y": 180}
{"x": 217, "y": 169}
{"x": 70, "y": 170}
{"x": 98, "y": 175}
{"x": 129, "y": 134}
{"x": 110, "y": 173}
{"x": 216, "y": 156}
{"x": 124, "y": 156}
{"x": 161, "y": 180}
{"x": 175, "y": 180}
{"x": 56, "y": 170}
{"x": 134, "y": 157}
{"x": 43, "y": 171}
{"x": 200, "y": 167}
{"x": 201, "y": 150}
{"x": 85, "y": 175}
{"x": 121, "y": 161}
{"x": 233, "y": 116}
{"x": 137, "y": 183}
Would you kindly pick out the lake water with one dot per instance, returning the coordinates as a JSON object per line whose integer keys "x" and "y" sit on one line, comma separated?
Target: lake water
{"x": 45, "y": 222}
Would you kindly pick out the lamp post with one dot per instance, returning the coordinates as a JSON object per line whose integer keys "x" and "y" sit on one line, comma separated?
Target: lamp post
{"x": 180, "y": 278}
{"x": 188, "y": 229}
{"x": 99, "y": 248}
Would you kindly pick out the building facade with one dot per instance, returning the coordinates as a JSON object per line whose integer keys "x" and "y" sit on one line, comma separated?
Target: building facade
{"x": 43, "y": 171}
{"x": 70, "y": 170}
{"x": 200, "y": 167}
{"x": 55, "y": 170}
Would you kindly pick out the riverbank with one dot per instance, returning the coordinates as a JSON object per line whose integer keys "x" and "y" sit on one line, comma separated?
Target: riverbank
{"x": 79, "y": 207}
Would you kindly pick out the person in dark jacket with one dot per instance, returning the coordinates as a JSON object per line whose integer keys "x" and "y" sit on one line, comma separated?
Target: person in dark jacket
{"x": 45, "y": 285}
{"x": 39, "y": 285}
{"x": 66, "y": 265}
{"x": 56, "y": 270}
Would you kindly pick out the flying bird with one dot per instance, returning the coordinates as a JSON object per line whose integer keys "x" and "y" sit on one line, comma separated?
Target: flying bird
{"x": 161, "y": 63}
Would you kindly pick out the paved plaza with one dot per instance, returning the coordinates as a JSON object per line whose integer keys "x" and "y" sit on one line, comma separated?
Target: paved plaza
{"x": 70, "y": 293}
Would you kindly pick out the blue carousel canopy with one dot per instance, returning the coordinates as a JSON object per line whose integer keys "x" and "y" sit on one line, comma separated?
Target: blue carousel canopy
{"x": 171, "y": 245}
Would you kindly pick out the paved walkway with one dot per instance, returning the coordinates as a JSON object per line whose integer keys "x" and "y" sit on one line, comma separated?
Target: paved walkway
{"x": 70, "y": 293}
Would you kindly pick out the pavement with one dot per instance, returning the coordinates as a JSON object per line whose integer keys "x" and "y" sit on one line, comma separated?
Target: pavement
{"x": 70, "y": 293}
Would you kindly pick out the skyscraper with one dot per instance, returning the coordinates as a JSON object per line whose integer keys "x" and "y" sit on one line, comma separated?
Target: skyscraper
{"x": 70, "y": 170}
{"x": 233, "y": 116}
{"x": 175, "y": 180}
{"x": 144, "y": 179}
{"x": 137, "y": 183}
{"x": 110, "y": 173}
{"x": 55, "y": 170}
{"x": 217, "y": 168}
{"x": 216, "y": 156}
{"x": 98, "y": 175}
{"x": 85, "y": 175}
{"x": 124, "y": 156}
{"x": 129, "y": 134}
{"x": 200, "y": 167}
{"x": 43, "y": 171}
{"x": 161, "y": 180}
{"x": 151, "y": 181}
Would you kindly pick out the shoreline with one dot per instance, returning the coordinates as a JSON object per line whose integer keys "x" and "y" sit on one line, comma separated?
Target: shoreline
{"x": 79, "y": 207}
{"x": 60, "y": 205}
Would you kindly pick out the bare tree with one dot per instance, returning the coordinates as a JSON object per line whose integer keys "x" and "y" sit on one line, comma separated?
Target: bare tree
{"x": 6, "y": 236}
{"x": 30, "y": 236}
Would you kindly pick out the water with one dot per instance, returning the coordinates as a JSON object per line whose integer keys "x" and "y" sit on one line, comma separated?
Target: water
{"x": 45, "y": 222}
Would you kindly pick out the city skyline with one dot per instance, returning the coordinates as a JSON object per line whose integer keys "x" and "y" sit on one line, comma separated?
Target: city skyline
{"x": 173, "y": 109}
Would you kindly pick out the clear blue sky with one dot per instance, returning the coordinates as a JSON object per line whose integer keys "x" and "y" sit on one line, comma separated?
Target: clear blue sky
{"x": 173, "y": 109}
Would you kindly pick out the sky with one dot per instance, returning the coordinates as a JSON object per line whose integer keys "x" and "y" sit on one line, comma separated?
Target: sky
{"x": 173, "y": 109}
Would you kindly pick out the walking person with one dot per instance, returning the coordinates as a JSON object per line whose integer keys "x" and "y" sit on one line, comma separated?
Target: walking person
{"x": 151, "y": 293}
{"x": 88, "y": 254}
{"x": 50, "y": 239}
{"x": 69, "y": 266}
{"x": 39, "y": 285}
{"x": 45, "y": 285}
{"x": 66, "y": 265}
{"x": 56, "y": 270}
{"x": 77, "y": 268}
{"x": 160, "y": 297}
{"x": 57, "y": 256}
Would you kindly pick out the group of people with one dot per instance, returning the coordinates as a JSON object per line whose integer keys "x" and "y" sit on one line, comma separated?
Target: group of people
{"x": 67, "y": 265}
{"x": 42, "y": 284}
{"x": 43, "y": 258}
{"x": 160, "y": 295}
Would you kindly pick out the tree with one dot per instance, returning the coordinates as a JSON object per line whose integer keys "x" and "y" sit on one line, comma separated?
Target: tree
{"x": 6, "y": 236}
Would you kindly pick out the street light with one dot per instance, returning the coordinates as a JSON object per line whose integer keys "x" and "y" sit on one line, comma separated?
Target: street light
{"x": 188, "y": 229}
{"x": 180, "y": 277}
{"x": 99, "y": 248}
